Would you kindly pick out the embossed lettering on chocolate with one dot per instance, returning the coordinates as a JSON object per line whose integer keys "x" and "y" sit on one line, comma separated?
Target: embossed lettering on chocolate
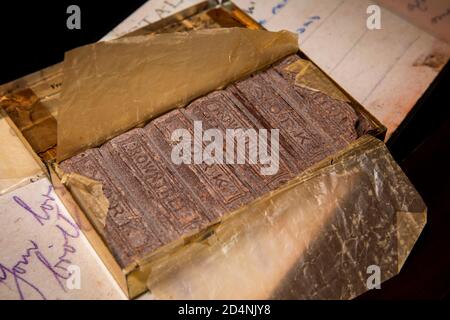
{"x": 153, "y": 202}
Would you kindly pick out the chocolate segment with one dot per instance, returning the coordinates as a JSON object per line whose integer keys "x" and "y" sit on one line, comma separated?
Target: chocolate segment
{"x": 154, "y": 201}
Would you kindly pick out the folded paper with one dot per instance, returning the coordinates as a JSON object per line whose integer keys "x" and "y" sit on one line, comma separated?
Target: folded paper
{"x": 321, "y": 237}
{"x": 111, "y": 87}
{"x": 17, "y": 165}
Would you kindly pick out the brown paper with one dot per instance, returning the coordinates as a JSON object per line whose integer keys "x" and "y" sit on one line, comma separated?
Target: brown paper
{"x": 317, "y": 238}
{"x": 111, "y": 87}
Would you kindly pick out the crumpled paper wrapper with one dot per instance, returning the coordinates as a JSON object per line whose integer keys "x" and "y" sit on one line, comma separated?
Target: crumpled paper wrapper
{"x": 313, "y": 239}
{"x": 32, "y": 118}
{"x": 110, "y": 87}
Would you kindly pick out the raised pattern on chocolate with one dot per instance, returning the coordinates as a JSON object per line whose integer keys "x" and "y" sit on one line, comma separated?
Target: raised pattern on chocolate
{"x": 154, "y": 201}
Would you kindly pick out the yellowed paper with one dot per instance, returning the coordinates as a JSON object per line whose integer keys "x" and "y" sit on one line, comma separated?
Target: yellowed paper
{"x": 17, "y": 166}
{"x": 312, "y": 78}
{"x": 432, "y": 15}
{"x": 111, "y": 87}
{"x": 385, "y": 70}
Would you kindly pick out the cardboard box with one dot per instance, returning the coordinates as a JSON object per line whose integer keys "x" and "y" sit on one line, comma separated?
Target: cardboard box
{"x": 133, "y": 279}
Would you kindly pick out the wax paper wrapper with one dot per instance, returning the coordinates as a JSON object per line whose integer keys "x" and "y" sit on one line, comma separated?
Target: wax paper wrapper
{"x": 111, "y": 87}
{"x": 326, "y": 235}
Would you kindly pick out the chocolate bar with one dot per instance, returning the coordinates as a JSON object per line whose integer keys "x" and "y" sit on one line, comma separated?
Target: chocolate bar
{"x": 154, "y": 201}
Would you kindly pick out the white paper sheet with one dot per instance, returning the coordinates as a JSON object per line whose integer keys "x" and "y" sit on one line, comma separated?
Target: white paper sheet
{"x": 386, "y": 70}
{"x": 431, "y": 15}
{"x": 44, "y": 254}
{"x": 149, "y": 12}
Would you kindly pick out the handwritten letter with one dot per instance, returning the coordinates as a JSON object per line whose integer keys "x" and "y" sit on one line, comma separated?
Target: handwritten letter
{"x": 42, "y": 250}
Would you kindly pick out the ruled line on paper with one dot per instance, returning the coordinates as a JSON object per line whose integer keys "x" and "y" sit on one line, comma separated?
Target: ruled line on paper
{"x": 348, "y": 51}
{"x": 389, "y": 70}
{"x": 431, "y": 15}
{"x": 379, "y": 68}
{"x": 149, "y": 12}
{"x": 322, "y": 22}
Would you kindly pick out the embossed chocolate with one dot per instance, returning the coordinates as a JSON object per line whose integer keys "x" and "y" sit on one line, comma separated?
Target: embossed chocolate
{"x": 154, "y": 201}
{"x": 218, "y": 110}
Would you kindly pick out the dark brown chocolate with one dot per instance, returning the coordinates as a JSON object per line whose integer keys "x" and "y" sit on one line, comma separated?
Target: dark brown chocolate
{"x": 154, "y": 201}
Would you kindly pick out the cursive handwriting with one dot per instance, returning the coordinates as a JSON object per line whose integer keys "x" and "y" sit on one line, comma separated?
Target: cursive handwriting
{"x": 418, "y": 4}
{"x": 47, "y": 210}
{"x": 438, "y": 18}
{"x": 18, "y": 270}
{"x": 276, "y": 8}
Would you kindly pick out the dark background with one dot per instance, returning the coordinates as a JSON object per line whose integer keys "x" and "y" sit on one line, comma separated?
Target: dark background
{"x": 33, "y": 35}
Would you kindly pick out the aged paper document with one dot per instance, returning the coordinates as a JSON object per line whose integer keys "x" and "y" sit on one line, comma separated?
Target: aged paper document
{"x": 44, "y": 254}
{"x": 149, "y": 12}
{"x": 386, "y": 70}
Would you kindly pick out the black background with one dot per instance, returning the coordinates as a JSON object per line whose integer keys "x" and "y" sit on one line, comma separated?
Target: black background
{"x": 33, "y": 35}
